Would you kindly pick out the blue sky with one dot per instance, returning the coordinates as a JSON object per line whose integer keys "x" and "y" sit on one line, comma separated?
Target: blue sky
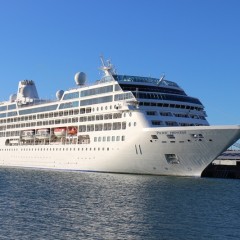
{"x": 196, "y": 43}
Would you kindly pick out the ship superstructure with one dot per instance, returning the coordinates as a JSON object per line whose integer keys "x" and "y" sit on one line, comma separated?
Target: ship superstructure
{"x": 121, "y": 124}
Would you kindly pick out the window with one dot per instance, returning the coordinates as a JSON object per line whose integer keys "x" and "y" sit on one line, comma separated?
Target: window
{"x": 90, "y": 128}
{"x": 88, "y": 110}
{"x": 39, "y": 109}
{"x": 82, "y": 110}
{"x": 71, "y": 95}
{"x": 157, "y": 122}
{"x": 169, "y": 123}
{"x": 98, "y": 100}
{"x": 83, "y": 119}
{"x": 99, "y": 117}
{"x": 107, "y": 126}
{"x": 154, "y": 137}
{"x": 82, "y": 128}
{"x": 98, "y": 127}
{"x": 69, "y": 105}
{"x": 151, "y": 113}
{"x": 95, "y": 91}
{"x": 165, "y": 114}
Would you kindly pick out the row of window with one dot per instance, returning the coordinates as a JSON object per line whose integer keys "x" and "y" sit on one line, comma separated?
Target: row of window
{"x": 52, "y": 114}
{"x": 167, "y": 97}
{"x": 81, "y": 128}
{"x": 103, "y": 127}
{"x": 61, "y": 121}
{"x": 173, "y": 123}
{"x": 8, "y": 107}
{"x": 90, "y": 92}
{"x": 55, "y": 149}
{"x": 96, "y": 139}
{"x": 182, "y": 115}
{"x": 144, "y": 88}
{"x": 161, "y": 123}
{"x": 95, "y": 91}
{"x": 109, "y": 139}
{"x": 38, "y": 109}
{"x": 168, "y": 105}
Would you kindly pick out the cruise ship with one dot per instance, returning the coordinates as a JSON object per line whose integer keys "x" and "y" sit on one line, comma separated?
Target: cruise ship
{"x": 119, "y": 124}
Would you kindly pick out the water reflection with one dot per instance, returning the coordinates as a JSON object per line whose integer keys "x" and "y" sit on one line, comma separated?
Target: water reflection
{"x": 70, "y": 205}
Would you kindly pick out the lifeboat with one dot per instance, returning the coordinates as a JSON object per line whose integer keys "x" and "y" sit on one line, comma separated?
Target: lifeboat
{"x": 43, "y": 133}
{"x": 28, "y": 134}
{"x": 60, "y": 132}
{"x": 72, "y": 130}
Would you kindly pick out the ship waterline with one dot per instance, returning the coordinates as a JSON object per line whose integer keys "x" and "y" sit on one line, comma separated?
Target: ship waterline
{"x": 120, "y": 124}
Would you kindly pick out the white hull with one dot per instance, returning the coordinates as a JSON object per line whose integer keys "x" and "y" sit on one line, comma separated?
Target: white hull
{"x": 140, "y": 155}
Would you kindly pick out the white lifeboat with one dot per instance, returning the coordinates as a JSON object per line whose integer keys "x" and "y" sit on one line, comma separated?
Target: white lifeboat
{"x": 43, "y": 133}
{"x": 60, "y": 132}
{"x": 28, "y": 134}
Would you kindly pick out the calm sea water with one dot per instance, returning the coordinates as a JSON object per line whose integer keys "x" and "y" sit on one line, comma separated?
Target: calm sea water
{"x": 38, "y": 204}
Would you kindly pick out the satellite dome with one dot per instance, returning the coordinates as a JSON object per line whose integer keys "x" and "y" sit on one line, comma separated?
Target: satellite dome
{"x": 59, "y": 94}
{"x": 80, "y": 78}
{"x": 13, "y": 97}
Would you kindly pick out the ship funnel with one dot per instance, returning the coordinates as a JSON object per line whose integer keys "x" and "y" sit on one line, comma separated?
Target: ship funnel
{"x": 27, "y": 91}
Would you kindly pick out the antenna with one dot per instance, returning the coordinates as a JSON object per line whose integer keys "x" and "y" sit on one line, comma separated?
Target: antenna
{"x": 161, "y": 79}
{"x": 102, "y": 60}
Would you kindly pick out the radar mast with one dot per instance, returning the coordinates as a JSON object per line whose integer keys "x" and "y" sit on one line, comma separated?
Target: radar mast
{"x": 107, "y": 67}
